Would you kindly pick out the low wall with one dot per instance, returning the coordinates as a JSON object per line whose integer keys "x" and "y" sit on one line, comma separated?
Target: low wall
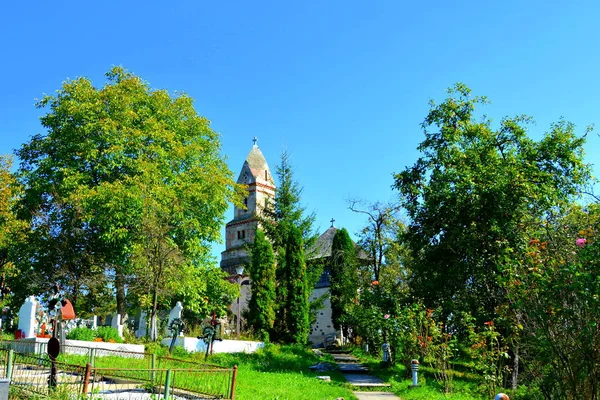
{"x": 39, "y": 345}
{"x": 225, "y": 346}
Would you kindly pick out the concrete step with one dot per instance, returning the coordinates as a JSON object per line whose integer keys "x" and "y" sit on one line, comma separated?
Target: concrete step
{"x": 365, "y": 381}
{"x": 345, "y": 358}
{"x": 376, "y": 396}
{"x": 352, "y": 368}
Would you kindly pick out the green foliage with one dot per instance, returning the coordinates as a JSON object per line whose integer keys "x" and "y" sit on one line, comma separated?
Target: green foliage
{"x": 261, "y": 307}
{"x": 82, "y": 333}
{"x": 108, "y": 333}
{"x": 344, "y": 280}
{"x": 555, "y": 294}
{"x": 298, "y": 291}
{"x": 278, "y": 219}
{"x": 472, "y": 194}
{"x": 128, "y": 183}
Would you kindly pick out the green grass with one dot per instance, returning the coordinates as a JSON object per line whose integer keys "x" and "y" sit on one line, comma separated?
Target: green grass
{"x": 281, "y": 373}
{"x": 273, "y": 373}
{"x": 465, "y": 383}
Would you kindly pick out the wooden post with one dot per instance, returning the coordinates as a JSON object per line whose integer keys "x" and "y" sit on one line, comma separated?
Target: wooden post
{"x": 233, "y": 379}
{"x": 86, "y": 378}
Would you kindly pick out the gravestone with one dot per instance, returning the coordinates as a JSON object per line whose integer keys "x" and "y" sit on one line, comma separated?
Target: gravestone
{"x": 94, "y": 322}
{"x": 115, "y": 322}
{"x": 142, "y": 325}
{"x": 173, "y": 315}
{"x": 27, "y": 320}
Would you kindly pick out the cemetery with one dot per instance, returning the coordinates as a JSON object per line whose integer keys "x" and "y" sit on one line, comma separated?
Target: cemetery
{"x": 480, "y": 280}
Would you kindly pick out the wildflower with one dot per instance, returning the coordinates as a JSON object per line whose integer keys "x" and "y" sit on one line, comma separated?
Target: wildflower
{"x": 375, "y": 283}
{"x": 581, "y": 242}
{"x": 386, "y": 316}
{"x": 489, "y": 323}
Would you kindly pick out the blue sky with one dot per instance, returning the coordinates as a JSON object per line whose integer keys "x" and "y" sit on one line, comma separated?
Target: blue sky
{"x": 341, "y": 85}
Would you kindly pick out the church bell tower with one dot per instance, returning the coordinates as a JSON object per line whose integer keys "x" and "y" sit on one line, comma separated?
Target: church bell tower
{"x": 255, "y": 174}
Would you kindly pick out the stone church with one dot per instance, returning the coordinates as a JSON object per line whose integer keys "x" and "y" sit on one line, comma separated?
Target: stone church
{"x": 241, "y": 229}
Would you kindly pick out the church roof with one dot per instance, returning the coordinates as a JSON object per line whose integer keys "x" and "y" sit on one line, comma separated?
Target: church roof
{"x": 256, "y": 161}
{"x": 323, "y": 245}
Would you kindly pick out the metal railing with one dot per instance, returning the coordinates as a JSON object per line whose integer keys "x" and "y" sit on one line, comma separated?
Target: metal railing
{"x": 164, "y": 376}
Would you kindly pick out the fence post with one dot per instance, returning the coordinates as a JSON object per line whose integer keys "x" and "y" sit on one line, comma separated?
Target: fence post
{"x": 86, "y": 378}
{"x": 92, "y": 356}
{"x": 167, "y": 385}
{"x": 153, "y": 367}
{"x": 233, "y": 379}
{"x": 9, "y": 364}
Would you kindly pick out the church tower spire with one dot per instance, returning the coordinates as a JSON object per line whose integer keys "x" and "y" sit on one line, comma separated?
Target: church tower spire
{"x": 241, "y": 229}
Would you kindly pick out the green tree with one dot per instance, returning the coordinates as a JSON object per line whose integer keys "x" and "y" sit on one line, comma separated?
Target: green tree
{"x": 261, "y": 307}
{"x": 344, "y": 280}
{"x": 278, "y": 217}
{"x": 12, "y": 233}
{"x": 298, "y": 290}
{"x": 555, "y": 288}
{"x": 473, "y": 195}
{"x": 133, "y": 178}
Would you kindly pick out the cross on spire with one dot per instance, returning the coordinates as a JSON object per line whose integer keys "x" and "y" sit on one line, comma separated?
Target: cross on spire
{"x": 255, "y": 140}
{"x": 332, "y": 221}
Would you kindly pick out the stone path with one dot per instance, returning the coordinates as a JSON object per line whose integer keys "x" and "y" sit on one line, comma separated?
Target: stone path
{"x": 357, "y": 375}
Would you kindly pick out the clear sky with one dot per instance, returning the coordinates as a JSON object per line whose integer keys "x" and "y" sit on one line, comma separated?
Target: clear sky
{"x": 342, "y": 85}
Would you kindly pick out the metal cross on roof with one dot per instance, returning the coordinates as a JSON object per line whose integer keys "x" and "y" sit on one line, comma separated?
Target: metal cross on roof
{"x": 332, "y": 221}
{"x": 255, "y": 140}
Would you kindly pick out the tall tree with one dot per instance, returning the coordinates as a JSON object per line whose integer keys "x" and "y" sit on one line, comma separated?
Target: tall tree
{"x": 279, "y": 216}
{"x": 472, "y": 195}
{"x": 298, "y": 290}
{"x": 261, "y": 307}
{"x": 344, "y": 282}
{"x": 132, "y": 176}
{"x": 12, "y": 230}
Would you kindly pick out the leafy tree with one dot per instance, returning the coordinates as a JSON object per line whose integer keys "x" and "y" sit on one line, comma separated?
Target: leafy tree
{"x": 261, "y": 307}
{"x": 472, "y": 196}
{"x": 555, "y": 289}
{"x": 12, "y": 231}
{"x": 379, "y": 238}
{"x": 344, "y": 282}
{"x": 128, "y": 182}
{"x": 298, "y": 290}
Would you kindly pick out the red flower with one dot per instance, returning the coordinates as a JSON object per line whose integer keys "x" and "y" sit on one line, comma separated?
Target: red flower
{"x": 375, "y": 283}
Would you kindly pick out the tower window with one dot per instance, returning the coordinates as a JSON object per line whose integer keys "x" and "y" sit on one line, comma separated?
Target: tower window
{"x": 241, "y": 234}
{"x": 246, "y": 202}
{"x": 266, "y": 175}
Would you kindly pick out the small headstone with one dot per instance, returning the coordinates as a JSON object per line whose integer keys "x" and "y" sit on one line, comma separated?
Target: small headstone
{"x": 94, "y": 322}
{"x": 142, "y": 325}
{"x": 116, "y": 323}
{"x": 174, "y": 314}
{"x": 324, "y": 378}
{"x": 27, "y": 320}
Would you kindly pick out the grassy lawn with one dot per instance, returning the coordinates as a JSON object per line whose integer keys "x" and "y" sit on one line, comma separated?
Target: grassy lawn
{"x": 465, "y": 384}
{"x": 281, "y": 373}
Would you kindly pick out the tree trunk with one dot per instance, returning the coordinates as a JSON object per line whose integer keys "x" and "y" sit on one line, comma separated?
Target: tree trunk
{"x": 515, "y": 371}
{"x": 120, "y": 286}
{"x": 153, "y": 311}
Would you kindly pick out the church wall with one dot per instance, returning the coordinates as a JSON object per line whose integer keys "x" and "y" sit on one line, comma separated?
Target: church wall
{"x": 323, "y": 327}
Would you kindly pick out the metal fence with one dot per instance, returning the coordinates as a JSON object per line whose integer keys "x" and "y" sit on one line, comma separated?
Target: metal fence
{"x": 118, "y": 377}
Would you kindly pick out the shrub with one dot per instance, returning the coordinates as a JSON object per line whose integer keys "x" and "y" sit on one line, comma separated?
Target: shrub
{"x": 82, "y": 333}
{"x": 108, "y": 333}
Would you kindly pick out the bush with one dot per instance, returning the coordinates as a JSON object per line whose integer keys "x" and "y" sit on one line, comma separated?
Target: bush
{"x": 108, "y": 334}
{"x": 82, "y": 333}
